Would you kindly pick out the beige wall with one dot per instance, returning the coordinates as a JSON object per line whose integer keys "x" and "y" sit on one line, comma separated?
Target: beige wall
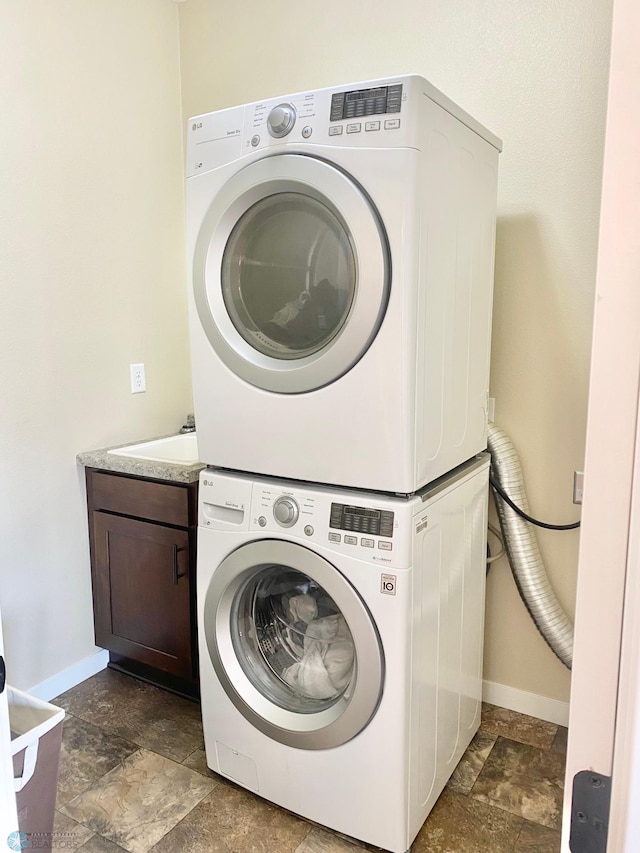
{"x": 92, "y": 279}
{"x": 535, "y": 73}
{"x": 91, "y": 253}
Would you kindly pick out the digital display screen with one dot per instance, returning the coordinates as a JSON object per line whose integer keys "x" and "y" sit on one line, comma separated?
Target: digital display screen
{"x": 358, "y": 510}
{"x": 366, "y": 102}
{"x": 363, "y": 94}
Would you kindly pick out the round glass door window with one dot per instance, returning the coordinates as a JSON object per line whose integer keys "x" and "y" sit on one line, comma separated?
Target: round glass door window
{"x": 288, "y": 275}
{"x": 291, "y": 273}
{"x": 292, "y": 641}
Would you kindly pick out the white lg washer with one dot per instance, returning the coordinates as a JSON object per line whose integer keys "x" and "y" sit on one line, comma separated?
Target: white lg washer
{"x": 341, "y": 246}
{"x": 341, "y": 637}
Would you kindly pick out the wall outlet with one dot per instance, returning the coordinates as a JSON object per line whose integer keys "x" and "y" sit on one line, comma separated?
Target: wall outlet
{"x": 578, "y": 486}
{"x": 491, "y": 409}
{"x": 138, "y": 379}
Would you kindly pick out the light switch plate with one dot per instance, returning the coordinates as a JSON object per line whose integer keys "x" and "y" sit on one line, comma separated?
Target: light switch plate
{"x": 578, "y": 486}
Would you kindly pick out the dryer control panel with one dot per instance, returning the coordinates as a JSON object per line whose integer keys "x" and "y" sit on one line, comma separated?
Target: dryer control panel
{"x": 383, "y": 113}
{"x": 366, "y": 102}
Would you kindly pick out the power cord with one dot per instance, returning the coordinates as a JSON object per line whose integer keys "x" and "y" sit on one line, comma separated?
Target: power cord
{"x": 505, "y": 497}
{"x": 491, "y": 558}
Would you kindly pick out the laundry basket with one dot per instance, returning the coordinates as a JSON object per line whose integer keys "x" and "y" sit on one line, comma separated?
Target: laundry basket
{"x": 36, "y": 736}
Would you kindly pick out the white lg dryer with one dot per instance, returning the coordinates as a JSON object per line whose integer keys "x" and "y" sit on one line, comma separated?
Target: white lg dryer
{"x": 341, "y": 248}
{"x": 341, "y": 637}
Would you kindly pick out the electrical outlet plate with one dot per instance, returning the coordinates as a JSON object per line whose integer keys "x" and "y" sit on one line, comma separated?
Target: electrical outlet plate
{"x": 138, "y": 379}
{"x": 578, "y": 486}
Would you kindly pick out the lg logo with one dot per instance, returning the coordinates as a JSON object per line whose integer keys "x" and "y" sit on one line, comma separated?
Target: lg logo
{"x": 388, "y": 584}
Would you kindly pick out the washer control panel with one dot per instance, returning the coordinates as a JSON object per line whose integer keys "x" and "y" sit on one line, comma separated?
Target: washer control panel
{"x": 369, "y": 529}
{"x": 375, "y": 528}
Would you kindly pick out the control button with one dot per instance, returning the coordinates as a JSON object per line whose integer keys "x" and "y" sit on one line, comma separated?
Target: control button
{"x": 285, "y": 511}
{"x": 255, "y": 140}
{"x": 281, "y": 120}
{"x": 392, "y": 124}
{"x": 306, "y": 132}
{"x": 367, "y": 543}
{"x": 308, "y": 530}
{"x": 350, "y": 540}
{"x": 336, "y": 130}
{"x": 337, "y": 105}
{"x": 262, "y": 521}
{"x": 394, "y": 98}
{"x": 356, "y": 127}
{"x": 372, "y": 125}
{"x": 385, "y": 546}
{"x": 334, "y": 537}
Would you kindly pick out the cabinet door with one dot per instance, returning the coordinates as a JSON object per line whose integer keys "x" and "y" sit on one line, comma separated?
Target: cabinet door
{"x": 142, "y": 592}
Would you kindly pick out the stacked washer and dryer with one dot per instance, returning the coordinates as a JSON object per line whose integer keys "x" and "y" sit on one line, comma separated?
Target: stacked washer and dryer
{"x": 341, "y": 246}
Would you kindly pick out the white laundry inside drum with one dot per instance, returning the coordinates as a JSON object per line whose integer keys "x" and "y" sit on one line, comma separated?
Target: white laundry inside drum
{"x": 292, "y": 640}
{"x": 326, "y": 647}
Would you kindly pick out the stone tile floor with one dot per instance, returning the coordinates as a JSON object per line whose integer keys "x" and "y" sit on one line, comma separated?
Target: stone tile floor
{"x": 133, "y": 776}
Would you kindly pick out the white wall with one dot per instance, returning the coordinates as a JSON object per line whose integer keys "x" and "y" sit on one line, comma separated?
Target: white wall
{"x": 535, "y": 73}
{"x": 92, "y": 279}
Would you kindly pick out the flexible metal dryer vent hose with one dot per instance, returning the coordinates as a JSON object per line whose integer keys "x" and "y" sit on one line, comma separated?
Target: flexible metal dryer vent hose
{"x": 523, "y": 552}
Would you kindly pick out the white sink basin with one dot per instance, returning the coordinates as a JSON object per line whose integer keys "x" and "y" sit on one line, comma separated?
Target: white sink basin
{"x": 180, "y": 449}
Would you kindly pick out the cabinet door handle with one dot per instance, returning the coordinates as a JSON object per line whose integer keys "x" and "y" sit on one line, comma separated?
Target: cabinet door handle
{"x": 3, "y": 674}
{"x": 177, "y": 574}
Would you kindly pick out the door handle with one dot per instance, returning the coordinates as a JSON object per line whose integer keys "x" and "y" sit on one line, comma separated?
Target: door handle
{"x": 177, "y": 574}
{"x": 3, "y": 674}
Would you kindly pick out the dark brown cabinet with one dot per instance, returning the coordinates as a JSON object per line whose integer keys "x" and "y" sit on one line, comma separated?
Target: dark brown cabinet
{"x": 142, "y": 537}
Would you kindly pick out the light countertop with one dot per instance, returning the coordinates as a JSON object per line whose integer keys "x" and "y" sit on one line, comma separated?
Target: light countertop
{"x": 176, "y": 472}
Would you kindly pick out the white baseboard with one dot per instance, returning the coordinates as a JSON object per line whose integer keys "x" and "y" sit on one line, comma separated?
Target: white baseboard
{"x": 551, "y": 710}
{"x": 68, "y": 678}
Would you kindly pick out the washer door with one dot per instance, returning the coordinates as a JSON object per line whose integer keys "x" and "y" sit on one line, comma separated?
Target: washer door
{"x": 291, "y": 273}
{"x": 293, "y": 644}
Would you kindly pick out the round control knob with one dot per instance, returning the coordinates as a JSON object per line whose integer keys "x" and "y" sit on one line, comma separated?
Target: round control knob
{"x": 285, "y": 511}
{"x": 281, "y": 119}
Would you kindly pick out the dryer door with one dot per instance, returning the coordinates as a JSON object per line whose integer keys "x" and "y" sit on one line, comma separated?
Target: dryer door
{"x": 291, "y": 273}
{"x": 293, "y": 644}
